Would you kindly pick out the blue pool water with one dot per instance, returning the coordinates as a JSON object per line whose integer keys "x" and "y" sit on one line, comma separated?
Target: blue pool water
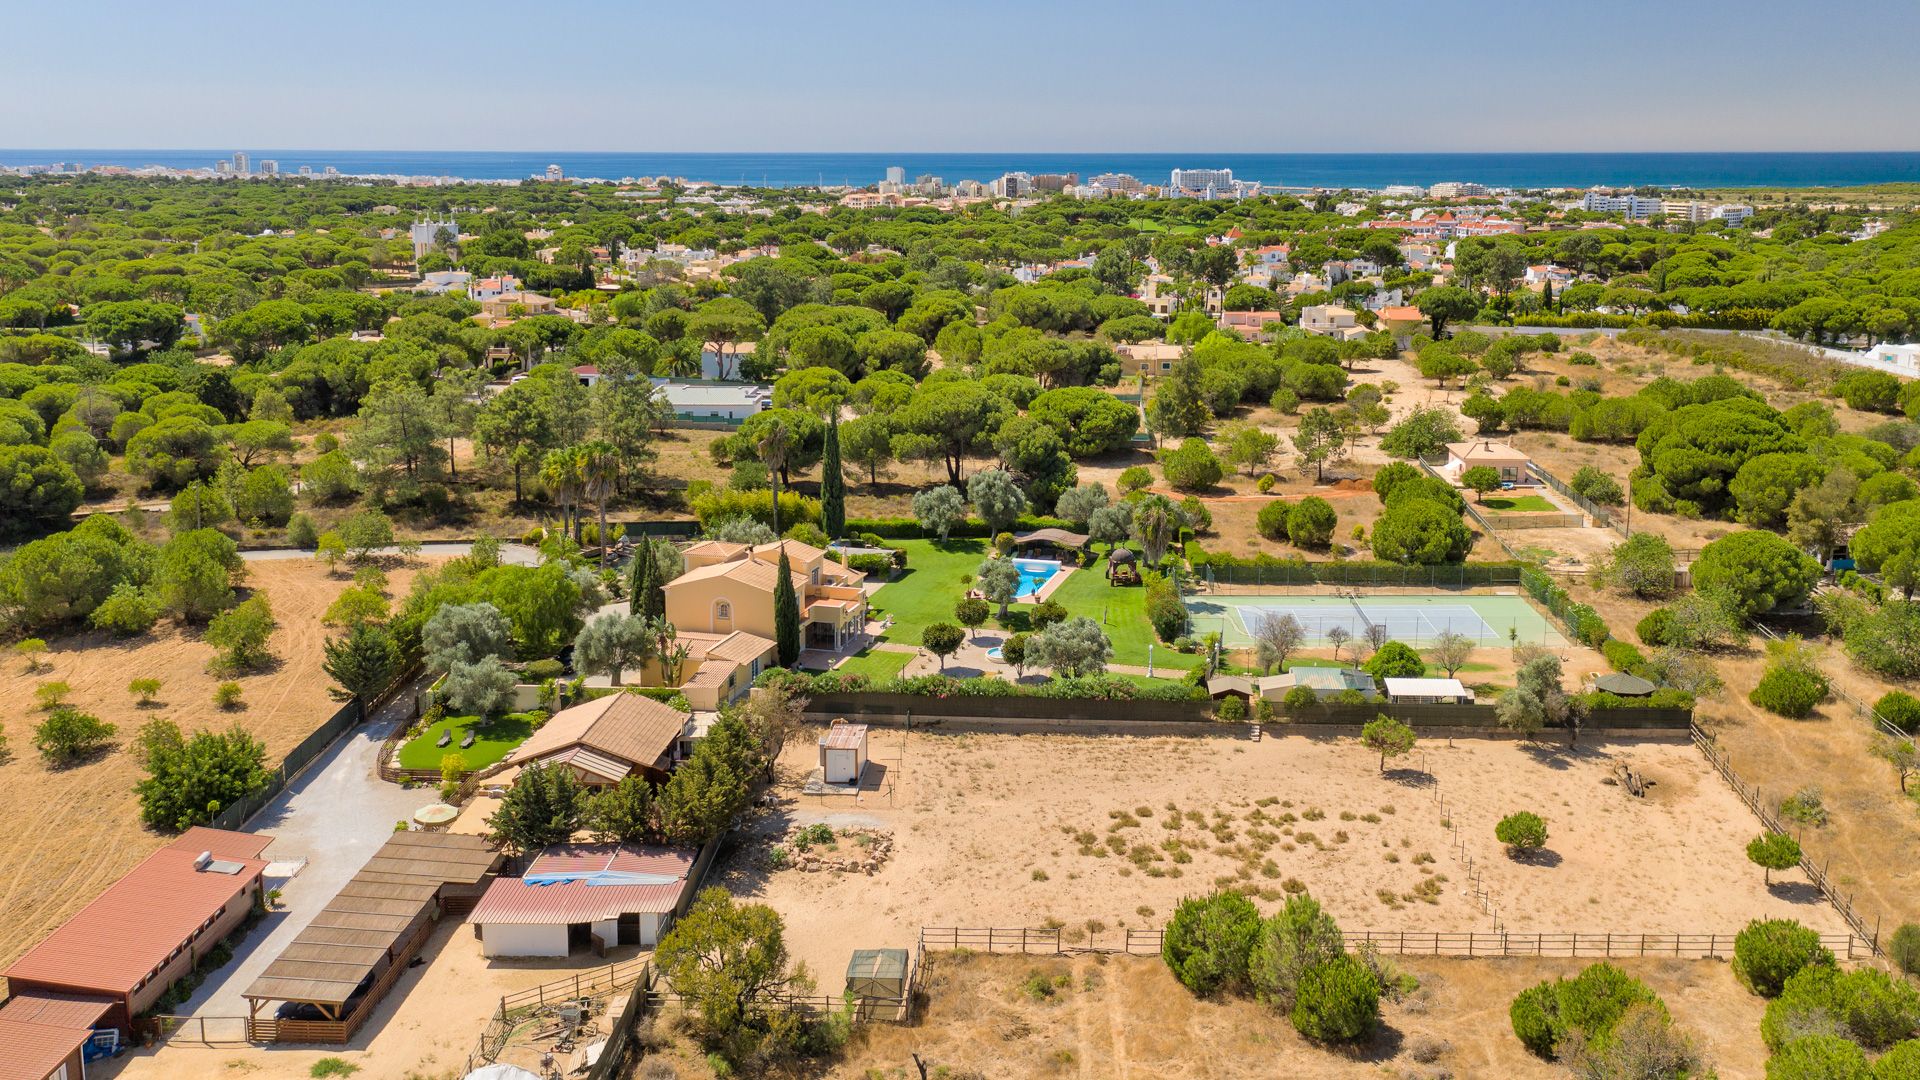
{"x": 1033, "y": 574}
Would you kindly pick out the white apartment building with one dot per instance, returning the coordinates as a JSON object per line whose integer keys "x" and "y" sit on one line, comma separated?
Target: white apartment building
{"x": 1633, "y": 207}
{"x": 1456, "y": 189}
{"x": 1201, "y": 179}
{"x": 240, "y": 163}
{"x": 1116, "y": 184}
{"x": 269, "y": 167}
{"x": 1695, "y": 211}
{"x": 896, "y": 175}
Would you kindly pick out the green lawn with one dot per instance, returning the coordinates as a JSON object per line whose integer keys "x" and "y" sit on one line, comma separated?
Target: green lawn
{"x": 931, "y": 586}
{"x": 1520, "y": 503}
{"x": 875, "y": 664}
{"x": 926, "y": 591}
{"x": 495, "y": 739}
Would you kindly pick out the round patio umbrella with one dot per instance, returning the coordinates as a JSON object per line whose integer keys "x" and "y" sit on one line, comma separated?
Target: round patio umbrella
{"x": 436, "y": 814}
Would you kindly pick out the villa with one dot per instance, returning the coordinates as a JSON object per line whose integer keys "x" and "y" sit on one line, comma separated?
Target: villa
{"x": 603, "y": 741}
{"x": 1511, "y": 464}
{"x": 730, "y": 587}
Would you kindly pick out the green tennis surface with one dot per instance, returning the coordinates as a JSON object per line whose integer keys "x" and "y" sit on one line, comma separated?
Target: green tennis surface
{"x": 1416, "y": 620}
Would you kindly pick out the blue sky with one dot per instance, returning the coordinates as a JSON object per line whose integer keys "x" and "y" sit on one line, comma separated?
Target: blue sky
{"x": 985, "y": 75}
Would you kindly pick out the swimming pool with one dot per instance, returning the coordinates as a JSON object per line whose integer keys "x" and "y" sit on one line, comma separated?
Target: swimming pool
{"x": 1034, "y": 573}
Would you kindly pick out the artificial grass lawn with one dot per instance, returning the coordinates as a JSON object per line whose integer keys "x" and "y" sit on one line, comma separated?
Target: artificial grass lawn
{"x": 1520, "y": 503}
{"x": 875, "y": 664}
{"x": 931, "y": 586}
{"x": 496, "y": 737}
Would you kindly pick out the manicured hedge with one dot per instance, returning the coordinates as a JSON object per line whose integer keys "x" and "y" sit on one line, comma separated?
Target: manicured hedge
{"x": 1094, "y": 687}
{"x": 970, "y": 529}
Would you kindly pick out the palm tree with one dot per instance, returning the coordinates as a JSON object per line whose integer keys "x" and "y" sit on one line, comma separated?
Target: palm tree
{"x": 563, "y": 475}
{"x": 774, "y": 447}
{"x": 599, "y": 477}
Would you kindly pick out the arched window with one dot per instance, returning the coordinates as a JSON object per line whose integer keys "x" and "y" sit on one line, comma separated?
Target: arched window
{"x": 722, "y": 610}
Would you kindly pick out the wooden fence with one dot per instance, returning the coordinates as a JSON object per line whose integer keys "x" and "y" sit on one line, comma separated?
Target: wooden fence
{"x": 1817, "y": 873}
{"x": 589, "y": 983}
{"x": 1462, "y": 944}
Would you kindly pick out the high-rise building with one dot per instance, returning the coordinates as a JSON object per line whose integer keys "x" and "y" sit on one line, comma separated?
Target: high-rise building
{"x": 1201, "y": 179}
{"x": 269, "y": 167}
{"x": 555, "y": 173}
{"x": 896, "y": 175}
{"x": 1052, "y": 183}
{"x": 1013, "y": 185}
{"x": 223, "y": 167}
{"x": 306, "y": 170}
{"x": 330, "y": 171}
{"x": 240, "y": 163}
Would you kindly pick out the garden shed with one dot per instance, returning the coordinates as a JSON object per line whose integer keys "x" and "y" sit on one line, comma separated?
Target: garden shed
{"x": 843, "y": 752}
{"x": 878, "y": 974}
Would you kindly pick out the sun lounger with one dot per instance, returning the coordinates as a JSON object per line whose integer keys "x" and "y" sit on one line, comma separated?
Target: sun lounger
{"x": 446, "y": 737}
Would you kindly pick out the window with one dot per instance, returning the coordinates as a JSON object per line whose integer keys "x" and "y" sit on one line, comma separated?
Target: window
{"x": 722, "y": 609}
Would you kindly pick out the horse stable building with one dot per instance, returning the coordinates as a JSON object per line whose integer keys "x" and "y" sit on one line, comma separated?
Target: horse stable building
{"x": 115, "y": 958}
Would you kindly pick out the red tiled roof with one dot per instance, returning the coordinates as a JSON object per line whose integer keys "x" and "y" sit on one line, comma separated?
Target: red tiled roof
{"x": 56, "y": 1010}
{"x": 512, "y": 900}
{"x": 131, "y": 929}
{"x": 33, "y": 1051}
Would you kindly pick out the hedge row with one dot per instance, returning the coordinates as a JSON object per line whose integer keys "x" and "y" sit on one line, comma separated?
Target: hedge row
{"x": 970, "y": 529}
{"x": 1095, "y": 687}
{"x": 1584, "y": 623}
{"x": 1353, "y": 571}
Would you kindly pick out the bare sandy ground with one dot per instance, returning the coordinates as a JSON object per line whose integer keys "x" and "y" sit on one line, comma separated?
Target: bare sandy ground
{"x": 71, "y": 832}
{"x": 1019, "y": 831}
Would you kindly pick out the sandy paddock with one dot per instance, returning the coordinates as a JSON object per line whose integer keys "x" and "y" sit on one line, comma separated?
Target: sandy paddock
{"x": 1013, "y": 831}
{"x": 71, "y": 832}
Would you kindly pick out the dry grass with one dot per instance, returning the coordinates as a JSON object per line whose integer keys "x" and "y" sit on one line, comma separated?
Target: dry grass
{"x": 71, "y": 832}
{"x": 1125, "y": 1018}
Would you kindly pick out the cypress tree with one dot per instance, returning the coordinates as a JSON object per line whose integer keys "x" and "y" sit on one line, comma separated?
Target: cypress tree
{"x": 1546, "y": 296}
{"x": 645, "y": 596}
{"x": 786, "y": 613}
{"x": 833, "y": 487}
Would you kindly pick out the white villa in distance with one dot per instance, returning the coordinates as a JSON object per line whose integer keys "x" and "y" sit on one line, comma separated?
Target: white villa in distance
{"x": 1511, "y": 464}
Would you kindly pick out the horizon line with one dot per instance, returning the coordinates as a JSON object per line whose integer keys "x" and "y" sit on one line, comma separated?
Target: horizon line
{"x": 1108, "y": 152}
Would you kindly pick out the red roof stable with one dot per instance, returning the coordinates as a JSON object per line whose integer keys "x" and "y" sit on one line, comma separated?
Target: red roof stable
{"x": 131, "y": 930}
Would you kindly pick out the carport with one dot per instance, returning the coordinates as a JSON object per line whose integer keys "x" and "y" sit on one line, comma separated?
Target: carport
{"x": 335, "y": 971}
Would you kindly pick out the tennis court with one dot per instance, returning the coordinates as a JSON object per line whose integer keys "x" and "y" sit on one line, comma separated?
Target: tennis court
{"x": 1416, "y": 620}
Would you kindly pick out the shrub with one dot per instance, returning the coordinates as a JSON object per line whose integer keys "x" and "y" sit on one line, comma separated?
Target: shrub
{"x": 1523, "y": 832}
{"x": 1272, "y": 520}
{"x": 1048, "y": 612}
{"x": 1900, "y": 709}
{"x": 68, "y": 736}
{"x": 1266, "y": 483}
{"x": 1868, "y": 1006}
{"x": 1338, "y": 1001}
{"x": 1790, "y": 690}
{"x": 1208, "y": 940}
{"x": 543, "y": 669}
{"x": 1587, "y": 1006}
{"x": 1311, "y": 522}
{"x": 1231, "y": 710}
{"x": 1298, "y": 700}
{"x": 1300, "y": 936}
{"x": 1819, "y": 1057}
{"x": 227, "y": 695}
{"x": 1191, "y": 466}
{"x": 1769, "y": 952}
{"x": 1622, "y": 655}
{"x": 1904, "y": 948}
{"x": 128, "y": 610}
{"x": 1657, "y": 629}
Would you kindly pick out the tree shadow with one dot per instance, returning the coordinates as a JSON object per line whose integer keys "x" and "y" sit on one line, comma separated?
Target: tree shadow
{"x": 1413, "y": 778}
{"x": 1553, "y": 757}
{"x": 1542, "y": 857}
{"x": 1386, "y": 1044}
{"x": 1796, "y": 892}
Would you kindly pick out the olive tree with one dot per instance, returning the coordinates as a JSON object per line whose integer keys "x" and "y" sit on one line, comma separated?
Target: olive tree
{"x": 1071, "y": 649}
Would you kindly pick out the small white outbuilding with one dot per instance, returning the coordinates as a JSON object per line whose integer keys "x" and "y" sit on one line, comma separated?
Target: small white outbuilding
{"x": 1428, "y": 692}
{"x": 843, "y": 752}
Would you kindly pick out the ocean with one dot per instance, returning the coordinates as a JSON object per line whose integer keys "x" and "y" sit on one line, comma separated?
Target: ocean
{"x": 1693, "y": 170}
